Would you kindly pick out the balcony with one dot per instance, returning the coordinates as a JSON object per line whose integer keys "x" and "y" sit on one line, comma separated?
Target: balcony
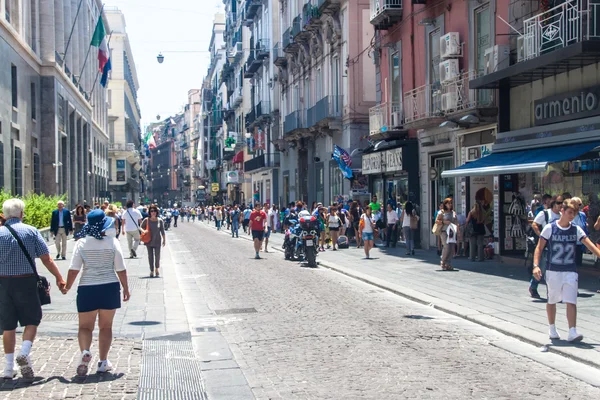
{"x": 326, "y": 111}
{"x": 423, "y": 107}
{"x": 250, "y": 11}
{"x": 253, "y": 64}
{"x": 263, "y": 110}
{"x": 328, "y": 6}
{"x": 556, "y": 41}
{"x": 185, "y": 162}
{"x": 262, "y": 49}
{"x": 250, "y": 118}
{"x": 386, "y": 120}
{"x": 298, "y": 33}
{"x": 385, "y": 13}
{"x": 122, "y": 147}
{"x": 458, "y": 99}
{"x": 262, "y": 161}
{"x": 237, "y": 97}
{"x": 289, "y": 44}
{"x": 311, "y": 16}
{"x": 293, "y": 122}
{"x": 279, "y": 58}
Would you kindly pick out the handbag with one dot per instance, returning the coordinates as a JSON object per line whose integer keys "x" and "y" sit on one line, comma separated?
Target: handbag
{"x": 146, "y": 236}
{"x": 43, "y": 286}
{"x": 414, "y": 222}
{"x": 451, "y": 231}
{"x": 437, "y": 229}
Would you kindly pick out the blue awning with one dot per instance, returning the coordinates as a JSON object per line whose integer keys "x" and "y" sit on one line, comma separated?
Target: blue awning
{"x": 509, "y": 162}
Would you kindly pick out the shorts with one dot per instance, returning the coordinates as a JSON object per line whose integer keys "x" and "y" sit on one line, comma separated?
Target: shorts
{"x": 367, "y": 235}
{"x": 334, "y": 229}
{"x": 19, "y": 303}
{"x": 267, "y": 233}
{"x": 258, "y": 234}
{"x": 562, "y": 286}
{"x": 99, "y": 297}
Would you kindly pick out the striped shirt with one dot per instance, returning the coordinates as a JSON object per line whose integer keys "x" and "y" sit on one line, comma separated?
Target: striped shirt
{"x": 100, "y": 260}
{"x": 12, "y": 260}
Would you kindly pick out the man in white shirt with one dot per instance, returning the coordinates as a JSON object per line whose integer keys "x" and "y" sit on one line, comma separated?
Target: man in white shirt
{"x": 270, "y": 224}
{"x": 543, "y": 218}
{"x": 132, "y": 219}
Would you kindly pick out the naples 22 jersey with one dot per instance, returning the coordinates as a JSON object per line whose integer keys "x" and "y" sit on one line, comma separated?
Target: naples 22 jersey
{"x": 561, "y": 246}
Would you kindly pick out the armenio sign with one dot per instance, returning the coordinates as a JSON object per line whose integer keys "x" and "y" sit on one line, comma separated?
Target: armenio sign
{"x": 567, "y": 106}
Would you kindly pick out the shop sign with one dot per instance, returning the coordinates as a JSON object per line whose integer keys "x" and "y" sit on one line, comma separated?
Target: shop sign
{"x": 121, "y": 171}
{"x": 371, "y": 163}
{"x": 214, "y": 187}
{"x": 567, "y": 106}
{"x": 393, "y": 160}
{"x": 232, "y": 177}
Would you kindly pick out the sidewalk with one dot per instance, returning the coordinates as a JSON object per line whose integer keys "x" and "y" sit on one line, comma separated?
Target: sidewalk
{"x": 490, "y": 293}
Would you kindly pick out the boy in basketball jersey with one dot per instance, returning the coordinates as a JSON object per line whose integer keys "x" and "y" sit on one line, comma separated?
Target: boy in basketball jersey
{"x": 560, "y": 237}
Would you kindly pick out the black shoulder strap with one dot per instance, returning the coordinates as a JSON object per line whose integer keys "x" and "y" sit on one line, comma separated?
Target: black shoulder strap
{"x": 134, "y": 221}
{"x": 23, "y": 249}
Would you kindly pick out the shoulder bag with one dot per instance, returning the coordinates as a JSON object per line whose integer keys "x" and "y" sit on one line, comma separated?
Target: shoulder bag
{"x": 414, "y": 221}
{"x": 43, "y": 286}
{"x": 437, "y": 228}
{"x": 145, "y": 235}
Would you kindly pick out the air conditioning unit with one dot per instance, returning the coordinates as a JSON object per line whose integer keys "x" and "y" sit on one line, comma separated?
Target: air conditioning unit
{"x": 521, "y": 48}
{"x": 450, "y": 45}
{"x": 449, "y": 70}
{"x": 396, "y": 119}
{"x": 449, "y": 101}
{"x": 496, "y": 58}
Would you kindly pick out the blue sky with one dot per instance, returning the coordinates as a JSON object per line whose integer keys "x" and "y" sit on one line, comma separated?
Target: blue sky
{"x": 178, "y": 26}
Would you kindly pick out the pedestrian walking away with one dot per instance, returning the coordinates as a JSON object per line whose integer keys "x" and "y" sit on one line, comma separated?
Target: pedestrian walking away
{"x": 334, "y": 224}
{"x": 561, "y": 237}
{"x": 447, "y": 218}
{"x": 367, "y": 230}
{"x": 246, "y": 222}
{"x": 20, "y": 303}
{"x": 132, "y": 219}
{"x": 475, "y": 230}
{"x": 61, "y": 225}
{"x": 258, "y": 226}
{"x": 155, "y": 225}
{"x": 99, "y": 258}
{"x": 392, "y": 229}
{"x": 175, "y": 214}
{"x": 270, "y": 224}
{"x": 235, "y": 221}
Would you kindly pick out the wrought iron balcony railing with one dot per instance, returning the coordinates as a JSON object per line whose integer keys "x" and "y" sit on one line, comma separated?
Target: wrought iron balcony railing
{"x": 423, "y": 102}
{"x": 385, "y": 116}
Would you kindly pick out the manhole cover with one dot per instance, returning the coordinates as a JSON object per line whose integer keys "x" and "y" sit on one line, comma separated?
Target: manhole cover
{"x": 60, "y": 317}
{"x": 236, "y": 311}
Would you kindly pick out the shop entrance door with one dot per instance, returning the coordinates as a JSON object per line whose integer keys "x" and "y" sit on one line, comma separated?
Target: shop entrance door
{"x": 441, "y": 188}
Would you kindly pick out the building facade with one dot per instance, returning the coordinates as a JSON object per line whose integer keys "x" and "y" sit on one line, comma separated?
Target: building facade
{"x": 53, "y": 112}
{"x": 125, "y": 147}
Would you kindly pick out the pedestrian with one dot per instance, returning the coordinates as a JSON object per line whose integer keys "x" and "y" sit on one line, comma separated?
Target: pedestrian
{"x": 218, "y": 218}
{"x": 476, "y": 229}
{"x": 99, "y": 257}
{"x": 447, "y": 218}
{"x": 392, "y": 228}
{"x": 19, "y": 299}
{"x": 156, "y": 226}
{"x": 438, "y": 238}
{"x": 355, "y": 220}
{"x": 61, "y": 225}
{"x": 258, "y": 226}
{"x": 175, "y": 214}
{"x": 543, "y": 218}
{"x": 131, "y": 228}
{"x": 581, "y": 221}
{"x": 193, "y": 215}
{"x": 334, "y": 223}
{"x": 79, "y": 219}
{"x": 247, "y": 212}
{"x": 270, "y": 224}
{"x": 367, "y": 230}
{"x": 561, "y": 237}
{"x": 235, "y": 221}
{"x": 409, "y": 226}
{"x": 113, "y": 212}
{"x": 322, "y": 219}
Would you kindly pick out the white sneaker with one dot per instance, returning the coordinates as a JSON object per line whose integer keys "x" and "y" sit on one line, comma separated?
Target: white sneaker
{"x": 553, "y": 333}
{"x": 104, "y": 366}
{"x": 84, "y": 361}
{"x": 574, "y": 336}
{"x": 9, "y": 373}
{"x": 24, "y": 362}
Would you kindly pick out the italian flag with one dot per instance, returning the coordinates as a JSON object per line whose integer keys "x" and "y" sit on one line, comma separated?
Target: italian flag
{"x": 99, "y": 41}
{"x": 149, "y": 140}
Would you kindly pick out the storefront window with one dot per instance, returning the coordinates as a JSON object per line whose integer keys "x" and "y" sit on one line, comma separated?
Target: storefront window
{"x": 335, "y": 182}
{"x": 397, "y": 193}
{"x": 442, "y": 187}
{"x": 378, "y": 190}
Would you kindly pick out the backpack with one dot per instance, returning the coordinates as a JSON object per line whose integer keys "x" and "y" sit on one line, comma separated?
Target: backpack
{"x": 530, "y": 233}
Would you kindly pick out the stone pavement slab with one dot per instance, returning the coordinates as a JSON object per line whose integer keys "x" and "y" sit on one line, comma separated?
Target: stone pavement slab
{"x": 490, "y": 293}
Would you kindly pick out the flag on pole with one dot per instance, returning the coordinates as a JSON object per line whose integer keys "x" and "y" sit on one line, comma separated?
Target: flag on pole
{"x": 99, "y": 41}
{"x": 344, "y": 161}
{"x": 149, "y": 139}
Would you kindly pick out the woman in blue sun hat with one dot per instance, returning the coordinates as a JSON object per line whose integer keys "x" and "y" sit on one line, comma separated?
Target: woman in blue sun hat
{"x": 99, "y": 257}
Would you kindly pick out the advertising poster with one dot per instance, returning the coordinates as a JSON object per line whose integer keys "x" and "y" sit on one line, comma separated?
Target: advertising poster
{"x": 121, "y": 171}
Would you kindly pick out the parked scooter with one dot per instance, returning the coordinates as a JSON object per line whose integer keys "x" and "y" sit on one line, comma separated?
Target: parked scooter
{"x": 309, "y": 234}
{"x": 291, "y": 243}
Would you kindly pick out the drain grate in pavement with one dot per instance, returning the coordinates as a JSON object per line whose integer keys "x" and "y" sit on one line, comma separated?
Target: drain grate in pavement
{"x": 170, "y": 370}
{"x": 60, "y": 316}
{"x": 418, "y": 317}
{"x": 236, "y": 311}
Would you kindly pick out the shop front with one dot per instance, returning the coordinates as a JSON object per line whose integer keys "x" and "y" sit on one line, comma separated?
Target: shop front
{"x": 393, "y": 174}
{"x": 557, "y": 156}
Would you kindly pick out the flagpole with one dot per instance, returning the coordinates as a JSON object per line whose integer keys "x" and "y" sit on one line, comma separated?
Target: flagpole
{"x": 90, "y": 46}
{"x": 72, "y": 29}
{"x": 98, "y": 72}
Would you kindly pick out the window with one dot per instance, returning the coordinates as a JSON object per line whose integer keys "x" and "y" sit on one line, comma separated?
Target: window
{"x": 396, "y": 88}
{"x": 60, "y": 110}
{"x": 319, "y": 176}
{"x": 335, "y": 181}
{"x": 13, "y": 80}
{"x": 18, "y": 173}
{"x": 434, "y": 69}
{"x": 482, "y": 37}
{"x": 319, "y": 85}
{"x": 33, "y": 25}
{"x": 307, "y": 94}
{"x": 109, "y": 97}
{"x": 7, "y": 10}
{"x": 37, "y": 174}
{"x": 33, "y": 101}
{"x": 1, "y": 165}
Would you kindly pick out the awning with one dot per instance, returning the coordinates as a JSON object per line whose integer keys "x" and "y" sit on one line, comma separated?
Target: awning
{"x": 509, "y": 162}
{"x": 239, "y": 157}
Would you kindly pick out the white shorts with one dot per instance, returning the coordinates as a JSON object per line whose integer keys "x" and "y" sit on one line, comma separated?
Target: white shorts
{"x": 562, "y": 286}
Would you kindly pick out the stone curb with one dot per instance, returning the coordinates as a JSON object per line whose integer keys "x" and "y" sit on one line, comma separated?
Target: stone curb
{"x": 577, "y": 353}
